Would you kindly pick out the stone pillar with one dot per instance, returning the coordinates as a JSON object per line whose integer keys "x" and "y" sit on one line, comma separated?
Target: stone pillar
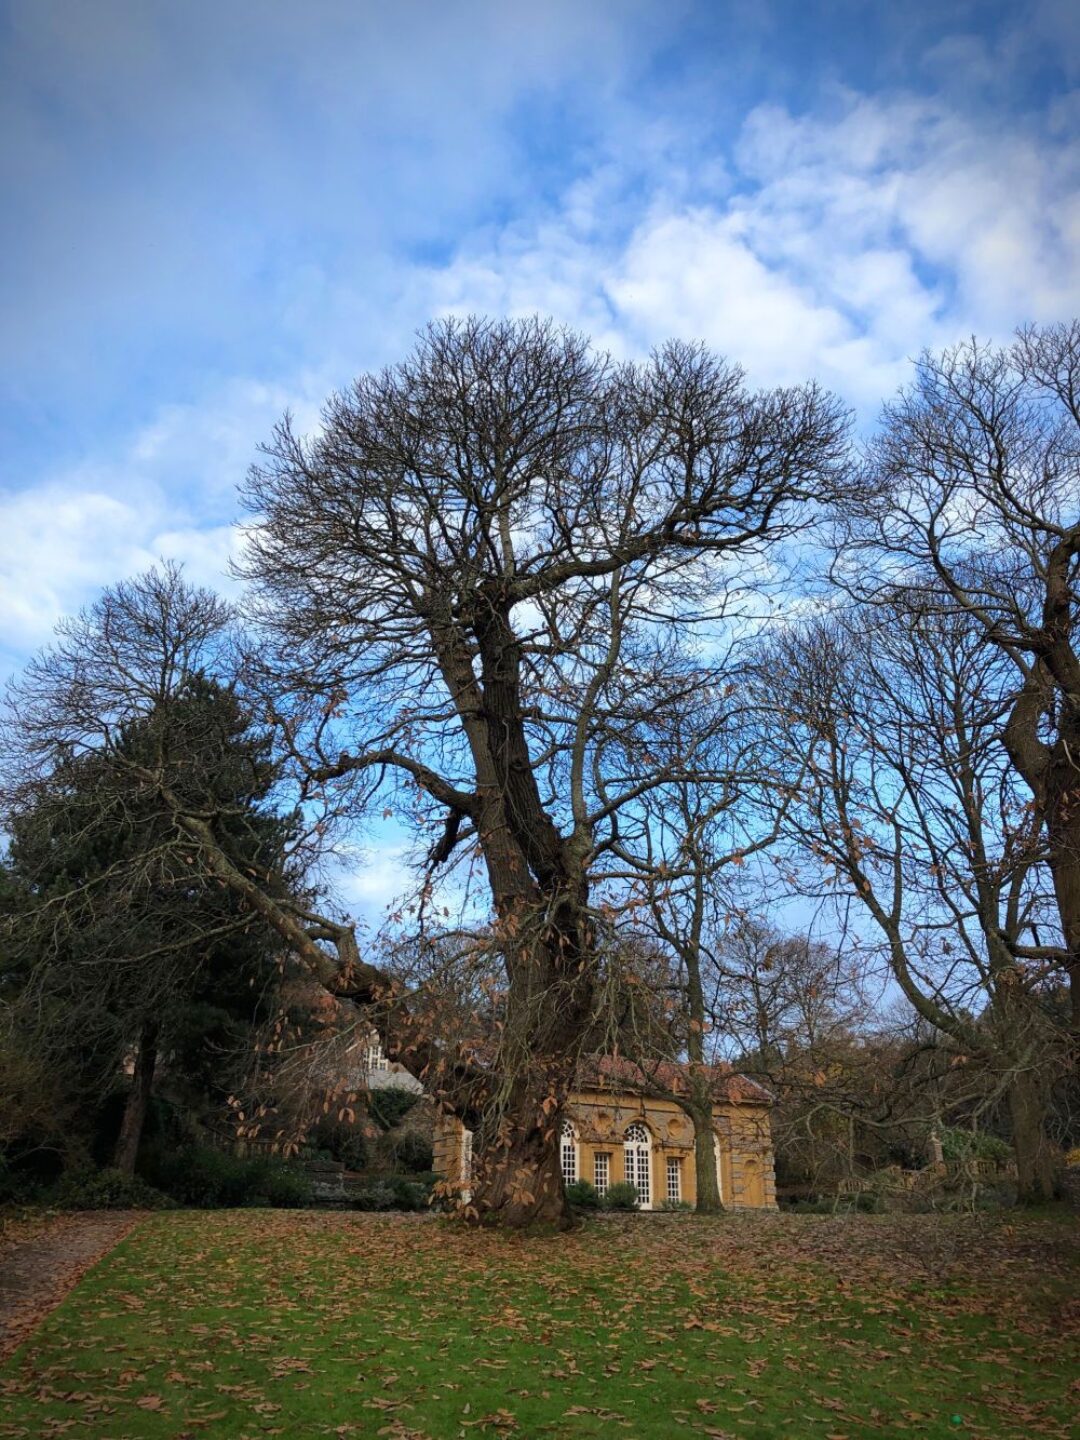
{"x": 934, "y": 1153}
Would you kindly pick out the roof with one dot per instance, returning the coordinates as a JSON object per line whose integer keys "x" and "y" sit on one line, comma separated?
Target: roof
{"x": 667, "y": 1077}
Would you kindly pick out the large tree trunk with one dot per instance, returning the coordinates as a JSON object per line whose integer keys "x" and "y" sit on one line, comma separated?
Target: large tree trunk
{"x": 708, "y": 1187}
{"x": 1051, "y": 773}
{"x": 700, "y": 1108}
{"x": 1063, "y": 834}
{"x": 517, "y": 1176}
{"x": 138, "y": 1100}
{"x": 539, "y": 886}
{"x": 1034, "y": 1171}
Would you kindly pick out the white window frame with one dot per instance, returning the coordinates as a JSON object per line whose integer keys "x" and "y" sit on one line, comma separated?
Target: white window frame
{"x": 601, "y": 1171}
{"x": 569, "y": 1154}
{"x": 674, "y": 1178}
{"x": 637, "y": 1161}
{"x": 719, "y": 1167}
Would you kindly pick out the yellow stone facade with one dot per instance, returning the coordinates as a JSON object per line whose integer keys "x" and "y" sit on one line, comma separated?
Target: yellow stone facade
{"x": 611, "y": 1136}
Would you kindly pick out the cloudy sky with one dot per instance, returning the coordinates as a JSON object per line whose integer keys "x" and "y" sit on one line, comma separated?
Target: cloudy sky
{"x": 214, "y": 211}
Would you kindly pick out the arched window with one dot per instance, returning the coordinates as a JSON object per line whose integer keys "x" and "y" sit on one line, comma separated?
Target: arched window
{"x": 568, "y": 1153}
{"x": 636, "y": 1152}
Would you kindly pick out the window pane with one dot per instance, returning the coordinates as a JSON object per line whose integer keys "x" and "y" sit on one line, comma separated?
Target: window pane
{"x": 569, "y": 1161}
{"x": 602, "y": 1172}
{"x": 636, "y": 1162}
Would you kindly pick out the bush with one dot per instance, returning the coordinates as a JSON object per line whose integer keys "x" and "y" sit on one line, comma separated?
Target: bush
{"x": 389, "y": 1106}
{"x": 284, "y": 1187}
{"x": 808, "y": 1207}
{"x": 621, "y": 1196}
{"x": 583, "y": 1196}
{"x": 203, "y": 1177}
{"x": 377, "y": 1195}
{"x": 107, "y": 1190}
{"x": 396, "y": 1192}
{"x": 673, "y": 1206}
{"x": 410, "y": 1194}
{"x": 343, "y": 1143}
{"x": 959, "y": 1145}
{"x": 414, "y": 1153}
{"x": 352, "y": 1151}
{"x": 19, "y": 1185}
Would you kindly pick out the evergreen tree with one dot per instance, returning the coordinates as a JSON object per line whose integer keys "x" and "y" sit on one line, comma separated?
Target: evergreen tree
{"x": 120, "y": 952}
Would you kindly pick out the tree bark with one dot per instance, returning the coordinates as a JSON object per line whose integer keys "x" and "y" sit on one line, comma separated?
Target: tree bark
{"x": 700, "y": 1108}
{"x": 1051, "y": 773}
{"x": 1063, "y": 835}
{"x": 708, "y": 1187}
{"x": 549, "y": 1007}
{"x": 517, "y": 1175}
{"x": 138, "y": 1101}
{"x": 539, "y": 886}
{"x": 1034, "y": 1172}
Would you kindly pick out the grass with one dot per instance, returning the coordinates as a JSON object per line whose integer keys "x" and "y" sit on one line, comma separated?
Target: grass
{"x": 255, "y": 1323}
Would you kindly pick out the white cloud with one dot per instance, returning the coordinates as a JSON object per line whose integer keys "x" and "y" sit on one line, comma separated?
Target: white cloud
{"x": 694, "y": 274}
{"x": 60, "y": 544}
{"x": 370, "y": 880}
{"x": 975, "y": 217}
{"x": 178, "y": 172}
{"x": 170, "y": 492}
{"x": 837, "y": 246}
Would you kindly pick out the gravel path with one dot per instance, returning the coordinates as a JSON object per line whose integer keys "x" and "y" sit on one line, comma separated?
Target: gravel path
{"x": 36, "y": 1273}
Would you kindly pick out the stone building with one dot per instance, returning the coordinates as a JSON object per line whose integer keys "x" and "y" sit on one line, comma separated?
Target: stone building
{"x": 623, "y": 1123}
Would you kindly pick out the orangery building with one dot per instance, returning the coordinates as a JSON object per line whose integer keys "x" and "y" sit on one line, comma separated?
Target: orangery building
{"x": 625, "y": 1123}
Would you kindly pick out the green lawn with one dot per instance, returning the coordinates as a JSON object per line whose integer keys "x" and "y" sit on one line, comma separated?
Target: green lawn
{"x": 254, "y": 1323}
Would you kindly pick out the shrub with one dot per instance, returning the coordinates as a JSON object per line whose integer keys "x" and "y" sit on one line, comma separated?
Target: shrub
{"x": 621, "y": 1196}
{"x": 284, "y": 1187}
{"x": 410, "y": 1194}
{"x": 388, "y": 1106}
{"x": 378, "y": 1195}
{"x": 673, "y": 1206}
{"x": 352, "y": 1151}
{"x": 414, "y": 1153}
{"x": 958, "y": 1145}
{"x": 343, "y": 1143}
{"x": 201, "y": 1176}
{"x": 395, "y": 1192}
{"x": 18, "y": 1186}
{"x": 583, "y": 1196}
{"x": 107, "y": 1190}
{"x": 808, "y": 1207}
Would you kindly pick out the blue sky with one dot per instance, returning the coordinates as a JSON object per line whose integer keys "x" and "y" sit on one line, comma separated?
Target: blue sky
{"x": 215, "y": 211}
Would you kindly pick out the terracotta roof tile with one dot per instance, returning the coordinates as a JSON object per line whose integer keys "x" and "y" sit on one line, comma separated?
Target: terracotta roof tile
{"x": 615, "y": 1072}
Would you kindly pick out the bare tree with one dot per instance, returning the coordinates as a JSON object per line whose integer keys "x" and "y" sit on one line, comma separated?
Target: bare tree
{"x": 974, "y": 494}
{"x": 771, "y": 993}
{"x": 913, "y": 813}
{"x": 470, "y": 578}
{"x": 795, "y": 1013}
{"x": 718, "y": 801}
